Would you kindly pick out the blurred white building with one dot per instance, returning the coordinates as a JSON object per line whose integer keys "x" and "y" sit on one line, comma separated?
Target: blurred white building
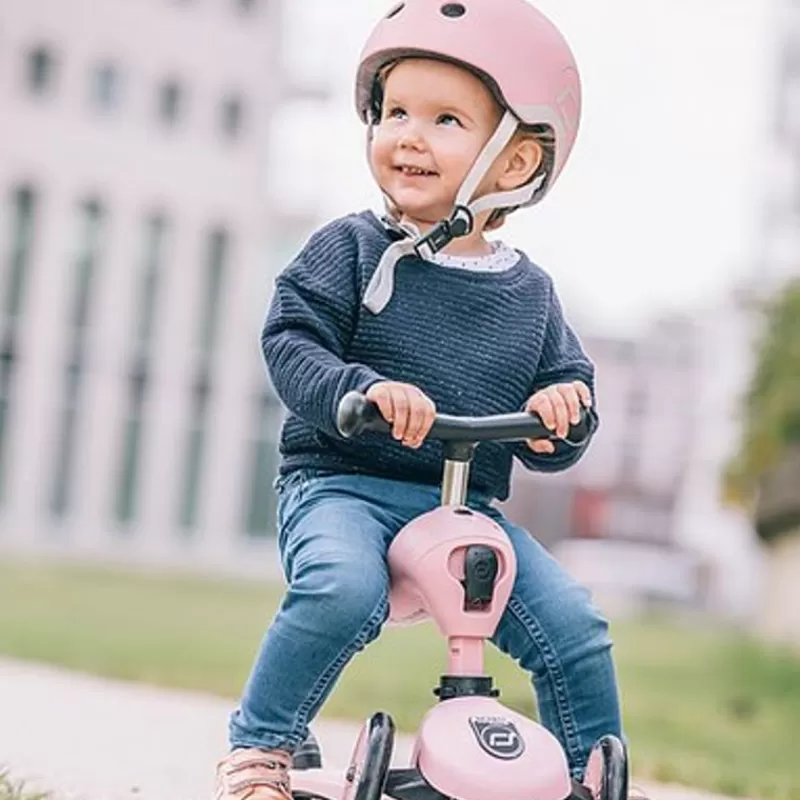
{"x": 611, "y": 519}
{"x": 140, "y": 231}
{"x": 138, "y": 243}
{"x": 779, "y": 255}
{"x": 642, "y": 517}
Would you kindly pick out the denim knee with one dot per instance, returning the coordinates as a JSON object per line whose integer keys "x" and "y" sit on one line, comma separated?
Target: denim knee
{"x": 588, "y": 628}
{"x": 350, "y": 599}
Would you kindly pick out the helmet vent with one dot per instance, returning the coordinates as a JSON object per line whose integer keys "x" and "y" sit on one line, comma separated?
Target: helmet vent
{"x": 454, "y": 10}
{"x": 396, "y": 10}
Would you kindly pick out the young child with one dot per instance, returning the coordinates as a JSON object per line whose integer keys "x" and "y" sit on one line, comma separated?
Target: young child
{"x": 472, "y": 110}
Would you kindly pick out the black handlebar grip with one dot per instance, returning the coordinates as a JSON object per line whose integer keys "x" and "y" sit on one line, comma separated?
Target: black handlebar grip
{"x": 356, "y": 414}
{"x": 581, "y": 431}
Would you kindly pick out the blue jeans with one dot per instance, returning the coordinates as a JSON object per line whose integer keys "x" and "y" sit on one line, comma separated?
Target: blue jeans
{"x": 333, "y": 534}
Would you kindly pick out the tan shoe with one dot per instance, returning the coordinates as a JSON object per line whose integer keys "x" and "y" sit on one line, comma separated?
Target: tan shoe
{"x": 254, "y": 774}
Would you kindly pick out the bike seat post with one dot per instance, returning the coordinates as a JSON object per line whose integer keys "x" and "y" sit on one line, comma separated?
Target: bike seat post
{"x": 455, "y": 479}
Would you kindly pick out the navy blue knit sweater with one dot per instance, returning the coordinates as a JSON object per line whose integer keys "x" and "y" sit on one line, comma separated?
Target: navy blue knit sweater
{"x": 476, "y": 343}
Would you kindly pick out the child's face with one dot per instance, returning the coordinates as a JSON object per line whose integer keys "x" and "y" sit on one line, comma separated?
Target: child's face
{"x": 435, "y": 120}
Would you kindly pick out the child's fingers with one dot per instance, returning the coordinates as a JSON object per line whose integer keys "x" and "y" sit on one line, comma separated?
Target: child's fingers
{"x": 561, "y": 413}
{"x": 583, "y": 392}
{"x": 573, "y": 402}
{"x": 409, "y": 410}
{"x": 420, "y": 420}
{"x": 558, "y": 406}
{"x": 384, "y": 395}
{"x": 542, "y": 405}
{"x": 401, "y": 404}
{"x": 541, "y": 446}
{"x": 380, "y": 394}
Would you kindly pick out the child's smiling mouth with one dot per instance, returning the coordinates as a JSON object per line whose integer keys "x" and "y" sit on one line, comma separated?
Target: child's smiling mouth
{"x": 415, "y": 172}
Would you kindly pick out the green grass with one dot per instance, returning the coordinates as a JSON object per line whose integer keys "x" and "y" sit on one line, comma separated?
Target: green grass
{"x": 16, "y": 790}
{"x": 703, "y": 706}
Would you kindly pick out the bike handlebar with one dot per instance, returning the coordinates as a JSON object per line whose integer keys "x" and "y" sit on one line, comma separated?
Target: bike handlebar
{"x": 357, "y": 414}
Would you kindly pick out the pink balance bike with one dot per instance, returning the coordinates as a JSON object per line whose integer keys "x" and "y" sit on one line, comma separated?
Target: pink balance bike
{"x": 458, "y": 566}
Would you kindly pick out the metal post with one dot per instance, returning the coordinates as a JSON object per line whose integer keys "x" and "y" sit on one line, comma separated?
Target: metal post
{"x": 455, "y": 482}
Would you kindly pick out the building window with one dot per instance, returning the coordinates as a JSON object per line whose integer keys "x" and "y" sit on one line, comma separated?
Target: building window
{"x": 231, "y": 112}
{"x": 91, "y": 221}
{"x": 212, "y": 294}
{"x": 150, "y": 280}
{"x": 105, "y": 87}
{"x": 194, "y": 454}
{"x": 128, "y": 475}
{"x": 7, "y": 365}
{"x": 23, "y": 204}
{"x": 170, "y": 102}
{"x": 261, "y": 501}
{"x": 40, "y": 70}
{"x": 92, "y": 218}
{"x": 23, "y": 207}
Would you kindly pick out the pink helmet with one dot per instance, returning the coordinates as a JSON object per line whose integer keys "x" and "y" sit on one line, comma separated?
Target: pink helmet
{"x": 514, "y": 48}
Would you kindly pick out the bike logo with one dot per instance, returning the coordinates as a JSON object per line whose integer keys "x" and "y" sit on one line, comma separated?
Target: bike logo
{"x": 498, "y": 737}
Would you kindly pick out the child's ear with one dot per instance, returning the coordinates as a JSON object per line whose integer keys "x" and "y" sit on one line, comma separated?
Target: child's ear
{"x": 521, "y": 163}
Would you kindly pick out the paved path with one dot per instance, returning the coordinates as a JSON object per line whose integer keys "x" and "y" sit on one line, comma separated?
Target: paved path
{"x": 88, "y": 738}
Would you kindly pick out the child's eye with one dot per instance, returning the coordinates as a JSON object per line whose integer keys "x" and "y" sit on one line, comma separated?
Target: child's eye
{"x": 448, "y": 119}
{"x": 396, "y": 113}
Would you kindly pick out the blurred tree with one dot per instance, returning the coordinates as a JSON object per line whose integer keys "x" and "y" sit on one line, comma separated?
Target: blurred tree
{"x": 764, "y": 477}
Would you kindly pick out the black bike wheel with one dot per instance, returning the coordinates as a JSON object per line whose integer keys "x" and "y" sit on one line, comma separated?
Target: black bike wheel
{"x": 373, "y": 758}
{"x": 607, "y": 770}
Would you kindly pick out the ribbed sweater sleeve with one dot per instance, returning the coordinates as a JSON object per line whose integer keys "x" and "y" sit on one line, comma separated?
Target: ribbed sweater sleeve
{"x": 309, "y": 325}
{"x": 562, "y": 361}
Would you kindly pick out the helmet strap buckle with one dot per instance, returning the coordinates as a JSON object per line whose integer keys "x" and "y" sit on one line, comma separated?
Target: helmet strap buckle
{"x": 460, "y": 223}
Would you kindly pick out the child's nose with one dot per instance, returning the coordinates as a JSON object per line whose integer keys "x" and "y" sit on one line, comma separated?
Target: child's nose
{"x": 411, "y": 136}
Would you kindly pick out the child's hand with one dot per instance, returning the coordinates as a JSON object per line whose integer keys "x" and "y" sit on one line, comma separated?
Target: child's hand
{"x": 559, "y": 406}
{"x": 410, "y": 411}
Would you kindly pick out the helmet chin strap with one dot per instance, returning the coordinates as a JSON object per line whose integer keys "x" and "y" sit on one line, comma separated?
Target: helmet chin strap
{"x": 461, "y": 221}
